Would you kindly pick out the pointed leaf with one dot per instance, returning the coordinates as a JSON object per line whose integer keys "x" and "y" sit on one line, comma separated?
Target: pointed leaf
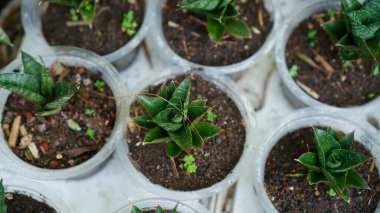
{"x": 354, "y": 180}
{"x": 325, "y": 143}
{"x": 333, "y": 133}
{"x": 164, "y": 92}
{"x": 154, "y": 134}
{"x": 346, "y": 194}
{"x": 215, "y": 29}
{"x": 310, "y": 161}
{"x": 3, "y": 207}
{"x": 31, "y": 66}
{"x": 337, "y": 180}
{"x": 238, "y": 28}
{"x": 172, "y": 149}
{"x": 196, "y": 112}
{"x": 200, "y": 4}
{"x": 348, "y": 159}
{"x": 145, "y": 122}
{"x": 181, "y": 96}
{"x": 182, "y": 138}
{"x": 230, "y": 11}
{"x": 169, "y": 119}
{"x": 43, "y": 113}
{"x": 196, "y": 140}
{"x": 171, "y": 89}
{"x": 47, "y": 83}
{"x": 315, "y": 177}
{"x": 197, "y": 103}
{"x": 160, "y": 210}
{"x": 63, "y": 91}
{"x": 135, "y": 210}
{"x": 152, "y": 105}
{"x": 337, "y": 29}
{"x": 224, "y": 3}
{"x": 4, "y": 39}
{"x": 350, "y": 5}
{"x": 207, "y": 130}
{"x": 346, "y": 142}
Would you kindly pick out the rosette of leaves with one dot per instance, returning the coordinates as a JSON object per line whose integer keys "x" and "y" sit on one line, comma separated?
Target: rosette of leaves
{"x": 221, "y": 17}
{"x": 3, "y": 206}
{"x": 333, "y": 163}
{"x": 157, "y": 210}
{"x": 36, "y": 85}
{"x": 357, "y": 32}
{"x": 85, "y": 8}
{"x": 174, "y": 120}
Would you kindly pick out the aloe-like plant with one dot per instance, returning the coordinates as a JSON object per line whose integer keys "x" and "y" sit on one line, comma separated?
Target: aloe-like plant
{"x": 174, "y": 120}
{"x": 158, "y": 210}
{"x": 333, "y": 163}
{"x": 357, "y": 32}
{"x": 221, "y": 17}
{"x": 36, "y": 85}
{"x": 4, "y": 39}
{"x": 3, "y": 206}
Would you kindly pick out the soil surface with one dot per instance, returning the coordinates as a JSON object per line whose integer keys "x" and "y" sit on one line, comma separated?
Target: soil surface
{"x": 294, "y": 194}
{"x": 13, "y": 27}
{"x": 189, "y": 38}
{"x": 106, "y": 34}
{"x": 3, "y": 3}
{"x": 346, "y": 84}
{"x": 218, "y": 156}
{"x": 69, "y": 147}
{"x": 24, "y": 204}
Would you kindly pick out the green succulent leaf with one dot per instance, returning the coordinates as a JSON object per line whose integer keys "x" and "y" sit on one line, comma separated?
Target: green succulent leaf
{"x": 325, "y": 143}
{"x": 347, "y": 141}
{"x": 172, "y": 149}
{"x": 181, "y": 96}
{"x": 348, "y": 160}
{"x": 238, "y": 28}
{"x": 145, "y": 122}
{"x": 47, "y": 83}
{"x": 336, "y": 180}
{"x": 315, "y": 177}
{"x": 354, "y": 180}
{"x": 160, "y": 210}
{"x": 310, "y": 161}
{"x": 155, "y": 134}
{"x": 182, "y": 138}
{"x": 202, "y": 132}
{"x": 336, "y": 29}
{"x": 152, "y": 105}
{"x": 333, "y": 133}
{"x": 196, "y": 113}
{"x": 63, "y": 91}
{"x": 346, "y": 194}
{"x": 4, "y": 39}
{"x": 230, "y": 11}
{"x": 200, "y": 4}
{"x": 43, "y": 112}
{"x": 350, "y": 5}
{"x": 197, "y": 103}
{"x": 31, "y": 66}
{"x": 136, "y": 210}
{"x": 169, "y": 119}
{"x": 215, "y": 29}
{"x": 3, "y": 207}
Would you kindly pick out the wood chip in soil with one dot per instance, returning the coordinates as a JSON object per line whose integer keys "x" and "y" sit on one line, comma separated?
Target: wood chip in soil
{"x": 23, "y": 204}
{"x": 105, "y": 37}
{"x": 294, "y": 194}
{"x": 190, "y": 38}
{"x": 351, "y": 86}
{"x": 57, "y": 145}
{"x": 218, "y": 156}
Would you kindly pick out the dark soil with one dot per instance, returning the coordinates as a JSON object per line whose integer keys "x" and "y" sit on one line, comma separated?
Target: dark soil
{"x": 24, "y": 204}
{"x": 105, "y": 37}
{"x": 59, "y": 146}
{"x": 3, "y": 3}
{"x": 345, "y": 86}
{"x": 294, "y": 194}
{"x": 218, "y": 156}
{"x": 191, "y": 41}
{"x": 13, "y": 27}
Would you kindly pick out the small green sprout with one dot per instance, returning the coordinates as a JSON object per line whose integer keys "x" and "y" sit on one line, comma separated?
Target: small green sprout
{"x": 293, "y": 71}
{"x": 3, "y": 206}
{"x": 91, "y": 133}
{"x": 129, "y": 23}
{"x": 331, "y": 192}
{"x": 36, "y": 85}
{"x": 221, "y": 17}
{"x": 211, "y": 116}
{"x": 333, "y": 162}
{"x": 89, "y": 112}
{"x": 84, "y": 8}
{"x": 330, "y": 13}
{"x": 74, "y": 15}
{"x": 99, "y": 84}
{"x": 371, "y": 95}
{"x": 4, "y": 39}
{"x": 376, "y": 71}
{"x": 346, "y": 64}
{"x": 73, "y": 125}
{"x": 190, "y": 165}
{"x": 158, "y": 209}
{"x": 312, "y": 35}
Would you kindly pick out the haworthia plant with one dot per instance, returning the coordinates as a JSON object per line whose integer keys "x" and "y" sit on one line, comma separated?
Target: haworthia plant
{"x": 3, "y": 207}
{"x": 175, "y": 120}
{"x": 4, "y": 39}
{"x": 333, "y": 163}
{"x": 357, "y": 32}
{"x": 36, "y": 85}
{"x": 158, "y": 210}
{"x": 85, "y": 8}
{"x": 221, "y": 17}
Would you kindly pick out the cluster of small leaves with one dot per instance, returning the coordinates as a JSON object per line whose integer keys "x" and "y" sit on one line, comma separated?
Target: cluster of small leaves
{"x": 90, "y": 132}
{"x": 293, "y": 71}
{"x": 174, "y": 120}
{"x": 99, "y": 84}
{"x": 158, "y": 210}
{"x": 4, "y": 39}
{"x": 221, "y": 17}
{"x": 333, "y": 163}
{"x": 312, "y": 36}
{"x": 357, "y": 32}
{"x": 189, "y": 164}
{"x": 36, "y": 85}
{"x": 3, "y": 207}
{"x": 84, "y": 8}
{"x": 129, "y": 23}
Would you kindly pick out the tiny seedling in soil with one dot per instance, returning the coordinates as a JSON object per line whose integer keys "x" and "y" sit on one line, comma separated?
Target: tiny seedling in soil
{"x": 333, "y": 163}
{"x": 331, "y": 192}
{"x": 189, "y": 164}
{"x": 312, "y": 35}
{"x": 346, "y": 64}
{"x": 157, "y": 210}
{"x": 36, "y": 85}
{"x": 371, "y": 95}
{"x": 357, "y": 30}
{"x": 211, "y": 116}
{"x": 221, "y": 17}
{"x": 3, "y": 207}
{"x": 91, "y": 133}
{"x": 4, "y": 39}
{"x": 129, "y": 23}
{"x": 175, "y": 120}
{"x": 376, "y": 71}
{"x": 293, "y": 71}
{"x": 99, "y": 84}
{"x": 89, "y": 112}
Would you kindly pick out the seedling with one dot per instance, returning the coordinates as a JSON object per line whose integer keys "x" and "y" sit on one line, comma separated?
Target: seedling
{"x": 346, "y": 64}
{"x": 221, "y": 17}
{"x": 157, "y": 210}
{"x": 74, "y": 15}
{"x": 3, "y": 207}
{"x": 4, "y": 39}
{"x": 129, "y": 23}
{"x": 293, "y": 71}
{"x": 36, "y": 85}
{"x": 330, "y": 13}
{"x": 331, "y": 192}
{"x": 189, "y": 165}
{"x": 371, "y": 95}
{"x": 333, "y": 163}
{"x": 211, "y": 116}
{"x": 376, "y": 71}
{"x": 91, "y": 133}
{"x": 312, "y": 35}
{"x": 99, "y": 84}
{"x": 358, "y": 30}
{"x": 174, "y": 120}
{"x": 89, "y": 112}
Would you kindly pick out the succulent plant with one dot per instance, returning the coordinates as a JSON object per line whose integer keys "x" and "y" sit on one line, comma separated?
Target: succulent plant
{"x": 333, "y": 163}
{"x": 3, "y": 207}
{"x": 36, "y": 85}
{"x": 357, "y": 32}
{"x": 158, "y": 210}
{"x": 221, "y": 17}
{"x": 85, "y": 8}
{"x": 174, "y": 120}
{"x": 4, "y": 39}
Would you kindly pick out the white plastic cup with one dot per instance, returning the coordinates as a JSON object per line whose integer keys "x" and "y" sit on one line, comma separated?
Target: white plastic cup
{"x": 246, "y": 111}
{"x": 166, "y": 56}
{"x": 121, "y": 58}
{"x": 365, "y": 134}
{"x": 292, "y": 91}
{"x": 37, "y": 192}
{"x": 166, "y": 204}
{"x": 72, "y": 57}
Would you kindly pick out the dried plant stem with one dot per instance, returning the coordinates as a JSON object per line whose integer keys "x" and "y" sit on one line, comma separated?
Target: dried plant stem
{"x": 14, "y": 131}
{"x": 77, "y": 24}
{"x": 174, "y": 167}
